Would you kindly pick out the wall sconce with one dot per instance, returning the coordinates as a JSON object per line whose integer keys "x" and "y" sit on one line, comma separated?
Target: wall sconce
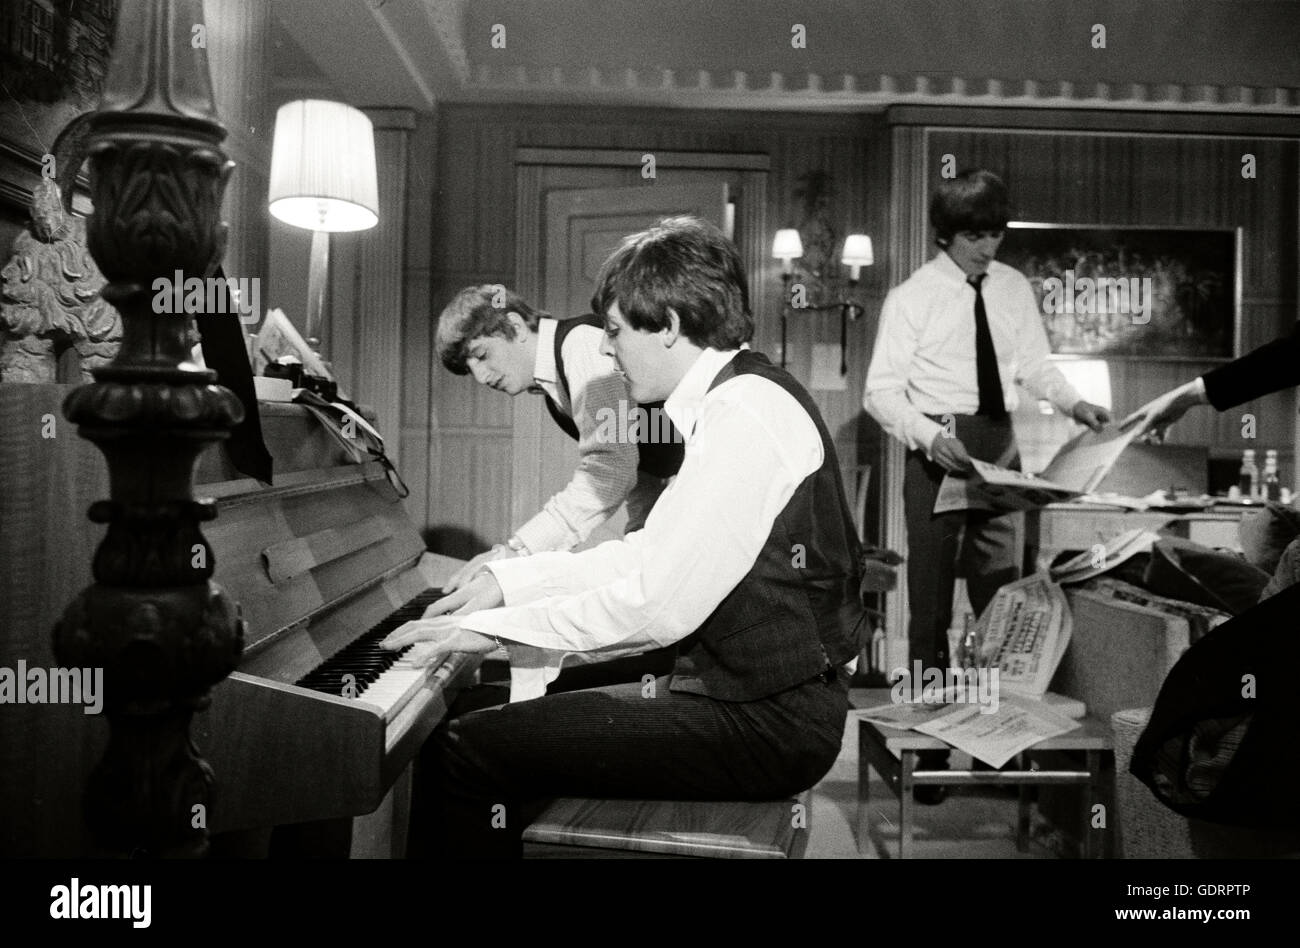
{"x": 323, "y": 180}
{"x": 787, "y": 246}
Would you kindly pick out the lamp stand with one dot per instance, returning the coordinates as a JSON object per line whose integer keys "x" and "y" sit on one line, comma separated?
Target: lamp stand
{"x": 317, "y": 281}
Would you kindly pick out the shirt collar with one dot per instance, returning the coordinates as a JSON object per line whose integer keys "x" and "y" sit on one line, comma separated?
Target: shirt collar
{"x": 544, "y": 368}
{"x": 949, "y": 269}
{"x": 684, "y": 405}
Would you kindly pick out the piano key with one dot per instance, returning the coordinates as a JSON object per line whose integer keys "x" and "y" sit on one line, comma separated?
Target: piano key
{"x": 379, "y": 676}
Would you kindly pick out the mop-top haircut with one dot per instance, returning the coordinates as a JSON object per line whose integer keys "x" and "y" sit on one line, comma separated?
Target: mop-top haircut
{"x": 976, "y": 200}
{"x": 682, "y": 264}
{"x": 478, "y": 311}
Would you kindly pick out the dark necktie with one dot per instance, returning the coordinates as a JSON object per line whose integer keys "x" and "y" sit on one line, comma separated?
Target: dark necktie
{"x": 986, "y": 357}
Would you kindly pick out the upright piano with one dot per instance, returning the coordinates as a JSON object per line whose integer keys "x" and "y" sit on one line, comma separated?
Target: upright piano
{"x": 319, "y": 725}
{"x": 317, "y": 561}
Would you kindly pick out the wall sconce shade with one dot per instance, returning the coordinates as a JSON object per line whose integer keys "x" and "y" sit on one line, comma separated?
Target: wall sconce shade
{"x": 323, "y": 167}
{"x": 787, "y": 245}
{"x": 857, "y": 254}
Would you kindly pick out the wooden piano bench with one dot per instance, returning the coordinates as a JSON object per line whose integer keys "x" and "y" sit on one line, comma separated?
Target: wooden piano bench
{"x": 574, "y": 828}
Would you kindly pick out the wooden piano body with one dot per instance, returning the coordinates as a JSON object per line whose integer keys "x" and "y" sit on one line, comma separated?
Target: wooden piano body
{"x": 315, "y": 560}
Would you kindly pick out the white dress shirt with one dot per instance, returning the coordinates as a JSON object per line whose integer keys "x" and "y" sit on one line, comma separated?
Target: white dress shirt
{"x": 606, "y": 471}
{"x": 749, "y": 445}
{"x": 924, "y": 360}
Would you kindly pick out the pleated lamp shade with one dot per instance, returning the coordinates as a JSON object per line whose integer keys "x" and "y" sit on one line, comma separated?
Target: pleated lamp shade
{"x": 323, "y": 167}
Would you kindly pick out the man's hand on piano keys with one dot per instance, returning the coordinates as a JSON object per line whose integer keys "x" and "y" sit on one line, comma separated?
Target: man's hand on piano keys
{"x": 435, "y": 639}
{"x": 482, "y": 592}
{"x": 470, "y": 569}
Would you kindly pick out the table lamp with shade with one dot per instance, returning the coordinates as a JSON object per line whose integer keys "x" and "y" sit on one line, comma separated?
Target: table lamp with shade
{"x": 323, "y": 179}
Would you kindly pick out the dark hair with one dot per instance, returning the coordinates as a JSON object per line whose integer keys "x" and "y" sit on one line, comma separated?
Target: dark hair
{"x": 478, "y": 311}
{"x": 975, "y": 200}
{"x": 684, "y": 264}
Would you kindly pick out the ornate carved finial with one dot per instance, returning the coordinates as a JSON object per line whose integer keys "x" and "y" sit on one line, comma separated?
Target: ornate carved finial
{"x": 50, "y": 299}
{"x": 154, "y": 620}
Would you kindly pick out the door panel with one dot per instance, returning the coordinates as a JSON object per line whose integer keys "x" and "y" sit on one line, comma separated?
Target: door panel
{"x": 578, "y": 230}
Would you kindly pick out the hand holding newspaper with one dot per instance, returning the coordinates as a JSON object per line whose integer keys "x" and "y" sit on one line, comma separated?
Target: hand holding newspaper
{"x": 1076, "y": 470}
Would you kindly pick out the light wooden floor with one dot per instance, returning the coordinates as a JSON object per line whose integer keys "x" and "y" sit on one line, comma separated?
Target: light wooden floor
{"x": 973, "y": 823}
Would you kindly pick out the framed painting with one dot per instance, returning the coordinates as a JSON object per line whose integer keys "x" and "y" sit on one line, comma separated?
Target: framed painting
{"x": 53, "y": 58}
{"x": 1121, "y": 292}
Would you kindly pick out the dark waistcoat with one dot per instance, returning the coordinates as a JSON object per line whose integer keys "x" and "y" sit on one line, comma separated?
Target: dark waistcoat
{"x": 659, "y": 443}
{"x": 794, "y": 614}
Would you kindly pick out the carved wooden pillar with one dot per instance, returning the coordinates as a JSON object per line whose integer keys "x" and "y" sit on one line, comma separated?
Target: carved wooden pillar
{"x": 163, "y": 632}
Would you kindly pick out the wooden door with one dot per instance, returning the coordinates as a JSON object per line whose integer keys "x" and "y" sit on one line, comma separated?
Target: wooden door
{"x": 578, "y": 229}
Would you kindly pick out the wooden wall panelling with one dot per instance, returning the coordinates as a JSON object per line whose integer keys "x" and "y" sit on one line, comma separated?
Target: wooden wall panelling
{"x": 47, "y": 751}
{"x": 474, "y": 230}
{"x": 416, "y": 329}
{"x": 238, "y": 37}
{"x": 911, "y": 167}
{"x": 363, "y": 335}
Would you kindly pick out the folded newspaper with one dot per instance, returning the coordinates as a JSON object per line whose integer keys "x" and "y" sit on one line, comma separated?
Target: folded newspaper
{"x": 1024, "y": 633}
{"x": 1018, "y": 724}
{"x": 1104, "y": 557}
{"x": 999, "y": 490}
{"x": 996, "y": 709}
{"x": 1076, "y": 470}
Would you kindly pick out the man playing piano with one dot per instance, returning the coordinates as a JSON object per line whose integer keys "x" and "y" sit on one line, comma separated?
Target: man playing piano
{"x": 747, "y": 564}
{"x": 509, "y": 346}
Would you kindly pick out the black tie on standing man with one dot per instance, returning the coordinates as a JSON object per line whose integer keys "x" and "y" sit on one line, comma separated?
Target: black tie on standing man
{"x": 951, "y": 339}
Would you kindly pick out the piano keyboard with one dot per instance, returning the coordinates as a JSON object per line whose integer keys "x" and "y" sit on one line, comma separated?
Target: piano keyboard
{"x": 378, "y": 676}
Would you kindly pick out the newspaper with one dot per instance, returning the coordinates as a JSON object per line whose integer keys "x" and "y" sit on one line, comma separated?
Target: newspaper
{"x": 1024, "y": 633}
{"x": 1076, "y": 469}
{"x": 998, "y": 490}
{"x": 1017, "y": 724}
{"x": 1104, "y": 557}
{"x": 1085, "y": 460}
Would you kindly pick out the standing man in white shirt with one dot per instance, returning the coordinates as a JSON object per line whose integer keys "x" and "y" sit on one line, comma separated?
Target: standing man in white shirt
{"x": 747, "y": 564}
{"x": 954, "y": 340}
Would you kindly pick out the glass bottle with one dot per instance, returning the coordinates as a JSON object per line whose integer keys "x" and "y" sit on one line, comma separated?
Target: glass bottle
{"x": 1272, "y": 489}
{"x": 1248, "y": 476}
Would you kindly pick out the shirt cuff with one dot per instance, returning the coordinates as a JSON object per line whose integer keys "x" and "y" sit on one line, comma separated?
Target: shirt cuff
{"x": 923, "y": 434}
{"x": 540, "y": 534}
{"x": 523, "y": 578}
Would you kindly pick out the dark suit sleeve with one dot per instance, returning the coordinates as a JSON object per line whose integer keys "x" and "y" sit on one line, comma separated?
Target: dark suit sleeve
{"x": 1270, "y": 368}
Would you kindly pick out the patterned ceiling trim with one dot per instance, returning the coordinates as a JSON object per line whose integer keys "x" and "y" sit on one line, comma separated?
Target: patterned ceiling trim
{"x": 707, "y": 89}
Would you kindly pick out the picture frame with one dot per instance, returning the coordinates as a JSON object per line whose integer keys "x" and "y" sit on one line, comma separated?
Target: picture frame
{"x": 53, "y": 60}
{"x": 1132, "y": 291}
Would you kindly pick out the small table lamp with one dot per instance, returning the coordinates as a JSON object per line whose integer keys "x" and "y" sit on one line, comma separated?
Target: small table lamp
{"x": 323, "y": 180}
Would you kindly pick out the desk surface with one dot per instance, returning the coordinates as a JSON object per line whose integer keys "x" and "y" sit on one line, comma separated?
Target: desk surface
{"x": 1092, "y": 733}
{"x": 1216, "y": 512}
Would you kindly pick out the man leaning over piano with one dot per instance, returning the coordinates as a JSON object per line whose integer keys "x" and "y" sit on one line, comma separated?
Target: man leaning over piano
{"x": 746, "y": 564}
{"x": 507, "y": 345}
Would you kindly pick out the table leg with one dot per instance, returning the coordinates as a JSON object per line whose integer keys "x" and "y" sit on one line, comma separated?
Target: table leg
{"x": 1089, "y": 840}
{"x": 905, "y": 804}
{"x": 864, "y": 790}
{"x": 1022, "y": 807}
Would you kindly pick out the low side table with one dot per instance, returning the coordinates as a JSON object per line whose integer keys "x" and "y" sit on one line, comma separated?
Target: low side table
{"x": 893, "y": 753}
